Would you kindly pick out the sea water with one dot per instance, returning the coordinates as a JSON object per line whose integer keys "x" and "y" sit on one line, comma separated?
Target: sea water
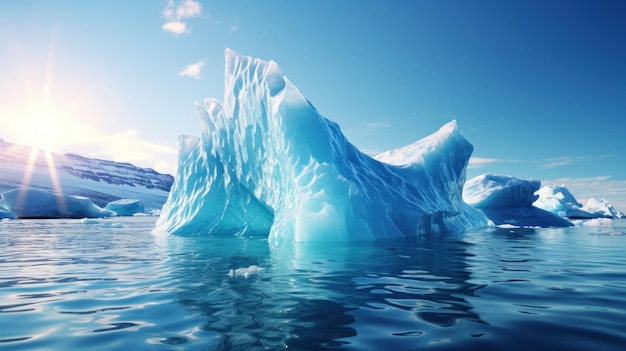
{"x": 111, "y": 284}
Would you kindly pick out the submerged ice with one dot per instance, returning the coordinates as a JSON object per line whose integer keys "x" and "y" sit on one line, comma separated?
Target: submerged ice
{"x": 268, "y": 163}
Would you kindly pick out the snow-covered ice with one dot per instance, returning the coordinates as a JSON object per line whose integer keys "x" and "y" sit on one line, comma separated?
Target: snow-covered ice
{"x": 267, "y": 162}
{"x": 125, "y": 207}
{"x": 495, "y": 190}
{"x": 560, "y": 201}
{"x": 509, "y": 200}
{"x": 35, "y": 203}
{"x": 602, "y": 208}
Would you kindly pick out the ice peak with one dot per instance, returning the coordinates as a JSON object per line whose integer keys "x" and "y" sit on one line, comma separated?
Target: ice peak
{"x": 268, "y": 163}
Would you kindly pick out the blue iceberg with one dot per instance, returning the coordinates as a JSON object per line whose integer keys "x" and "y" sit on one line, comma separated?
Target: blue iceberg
{"x": 268, "y": 163}
{"x": 508, "y": 200}
{"x": 35, "y": 203}
{"x": 5, "y": 213}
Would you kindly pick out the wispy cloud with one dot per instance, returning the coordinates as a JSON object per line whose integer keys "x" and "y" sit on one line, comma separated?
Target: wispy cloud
{"x": 556, "y": 162}
{"x": 235, "y": 26}
{"x": 193, "y": 70}
{"x": 372, "y": 127}
{"x": 127, "y": 146}
{"x": 480, "y": 162}
{"x": 553, "y": 162}
{"x": 376, "y": 125}
{"x": 371, "y": 152}
{"x": 175, "y": 12}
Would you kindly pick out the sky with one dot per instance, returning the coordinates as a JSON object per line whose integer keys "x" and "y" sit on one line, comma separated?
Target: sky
{"x": 538, "y": 87}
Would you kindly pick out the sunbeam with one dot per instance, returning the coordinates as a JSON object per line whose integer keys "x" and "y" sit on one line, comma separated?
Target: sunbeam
{"x": 41, "y": 136}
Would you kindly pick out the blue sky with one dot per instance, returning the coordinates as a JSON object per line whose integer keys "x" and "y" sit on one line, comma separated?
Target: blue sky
{"x": 539, "y": 87}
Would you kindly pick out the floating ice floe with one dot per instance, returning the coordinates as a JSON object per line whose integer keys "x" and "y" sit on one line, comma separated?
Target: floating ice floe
{"x": 268, "y": 163}
{"x": 245, "y": 272}
{"x": 35, "y": 203}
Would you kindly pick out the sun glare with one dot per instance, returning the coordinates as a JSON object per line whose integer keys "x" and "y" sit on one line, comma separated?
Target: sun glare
{"x": 41, "y": 132}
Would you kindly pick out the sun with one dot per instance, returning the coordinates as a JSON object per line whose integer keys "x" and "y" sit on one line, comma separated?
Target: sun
{"x": 43, "y": 130}
{"x": 41, "y": 133}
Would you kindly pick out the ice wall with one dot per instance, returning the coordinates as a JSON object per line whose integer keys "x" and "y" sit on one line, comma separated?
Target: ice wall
{"x": 268, "y": 163}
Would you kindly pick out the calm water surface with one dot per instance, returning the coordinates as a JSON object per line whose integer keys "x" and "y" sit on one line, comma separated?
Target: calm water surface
{"x": 111, "y": 284}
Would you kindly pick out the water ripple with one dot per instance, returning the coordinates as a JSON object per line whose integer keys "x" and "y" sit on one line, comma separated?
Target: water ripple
{"x": 64, "y": 285}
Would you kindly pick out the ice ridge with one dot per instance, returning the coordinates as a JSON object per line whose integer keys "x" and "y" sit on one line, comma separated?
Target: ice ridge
{"x": 268, "y": 163}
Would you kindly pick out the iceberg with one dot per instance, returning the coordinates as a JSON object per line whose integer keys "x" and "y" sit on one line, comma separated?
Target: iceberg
{"x": 602, "y": 208}
{"x": 560, "y": 201}
{"x": 507, "y": 200}
{"x": 246, "y": 273}
{"x": 35, "y": 203}
{"x": 125, "y": 207}
{"x": 5, "y": 213}
{"x": 268, "y": 163}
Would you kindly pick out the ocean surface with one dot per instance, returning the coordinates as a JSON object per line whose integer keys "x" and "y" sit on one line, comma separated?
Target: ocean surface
{"x": 111, "y": 284}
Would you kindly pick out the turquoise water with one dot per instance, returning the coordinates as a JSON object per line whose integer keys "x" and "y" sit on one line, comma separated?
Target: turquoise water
{"x": 111, "y": 285}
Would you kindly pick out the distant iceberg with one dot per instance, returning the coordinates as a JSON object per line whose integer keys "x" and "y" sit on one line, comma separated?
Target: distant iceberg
{"x": 560, "y": 201}
{"x": 268, "y": 163}
{"x": 508, "y": 200}
{"x": 602, "y": 208}
{"x": 35, "y": 203}
{"x": 125, "y": 207}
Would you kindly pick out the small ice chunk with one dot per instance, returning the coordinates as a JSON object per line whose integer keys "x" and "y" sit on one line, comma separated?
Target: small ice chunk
{"x": 244, "y": 272}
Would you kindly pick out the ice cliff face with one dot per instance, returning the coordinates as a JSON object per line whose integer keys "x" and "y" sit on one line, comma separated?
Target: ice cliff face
{"x": 268, "y": 163}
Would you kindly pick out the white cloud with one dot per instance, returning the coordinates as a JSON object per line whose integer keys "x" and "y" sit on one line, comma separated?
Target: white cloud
{"x": 193, "y": 70}
{"x": 127, "y": 146}
{"x": 176, "y": 27}
{"x": 174, "y": 13}
{"x": 184, "y": 9}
